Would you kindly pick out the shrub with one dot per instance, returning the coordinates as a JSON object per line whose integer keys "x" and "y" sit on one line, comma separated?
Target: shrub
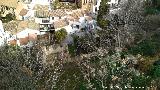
{"x": 146, "y": 48}
{"x": 103, "y": 9}
{"x": 60, "y": 35}
{"x": 143, "y": 48}
{"x": 8, "y": 17}
{"x": 154, "y": 71}
{"x": 152, "y": 7}
{"x": 141, "y": 81}
{"x": 13, "y": 75}
{"x": 151, "y": 11}
{"x": 71, "y": 49}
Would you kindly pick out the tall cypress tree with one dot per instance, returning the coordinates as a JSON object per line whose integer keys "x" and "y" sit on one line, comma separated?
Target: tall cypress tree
{"x": 103, "y": 10}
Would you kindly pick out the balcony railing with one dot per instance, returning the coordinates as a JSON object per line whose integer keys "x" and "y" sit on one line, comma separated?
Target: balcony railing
{"x": 45, "y": 21}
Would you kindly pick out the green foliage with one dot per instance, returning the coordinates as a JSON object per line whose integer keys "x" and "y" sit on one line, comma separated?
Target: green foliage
{"x": 71, "y": 49}
{"x": 151, "y": 11}
{"x": 60, "y": 5}
{"x": 60, "y": 35}
{"x": 154, "y": 72}
{"x": 102, "y": 23}
{"x": 141, "y": 81}
{"x": 82, "y": 87}
{"x": 148, "y": 47}
{"x": 81, "y": 45}
{"x": 152, "y": 7}
{"x": 96, "y": 84}
{"x": 11, "y": 72}
{"x": 71, "y": 78}
{"x": 103, "y": 9}
{"x": 8, "y": 17}
{"x": 57, "y": 4}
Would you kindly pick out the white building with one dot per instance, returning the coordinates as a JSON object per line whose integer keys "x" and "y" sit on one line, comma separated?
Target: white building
{"x": 1, "y": 28}
{"x": 96, "y": 6}
{"x": 113, "y": 2}
{"x": 3, "y": 35}
{"x": 40, "y": 2}
{"x": 114, "y": 6}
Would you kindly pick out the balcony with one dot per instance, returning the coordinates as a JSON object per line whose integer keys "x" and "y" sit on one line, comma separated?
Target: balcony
{"x": 45, "y": 21}
{"x": 47, "y": 27}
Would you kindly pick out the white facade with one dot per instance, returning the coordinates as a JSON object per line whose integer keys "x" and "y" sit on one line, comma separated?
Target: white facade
{"x": 96, "y": 6}
{"x": 113, "y": 2}
{"x": 3, "y": 35}
{"x": 50, "y": 19}
{"x": 41, "y": 2}
{"x": 1, "y": 28}
{"x": 114, "y": 6}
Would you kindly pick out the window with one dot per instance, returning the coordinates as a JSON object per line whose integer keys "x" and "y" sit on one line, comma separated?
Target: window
{"x": 52, "y": 18}
{"x": 90, "y": 1}
{"x": 41, "y": 26}
{"x": 45, "y": 21}
{"x": 95, "y": 8}
{"x": 86, "y": 1}
{"x": 74, "y": 26}
{"x": 92, "y": 26}
{"x": 77, "y": 26}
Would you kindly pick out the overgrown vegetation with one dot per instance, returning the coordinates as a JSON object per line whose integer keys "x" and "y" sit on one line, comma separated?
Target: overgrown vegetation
{"x": 7, "y": 18}
{"x": 24, "y": 69}
{"x": 60, "y": 35}
{"x": 152, "y": 7}
{"x": 61, "y": 5}
{"x": 150, "y": 47}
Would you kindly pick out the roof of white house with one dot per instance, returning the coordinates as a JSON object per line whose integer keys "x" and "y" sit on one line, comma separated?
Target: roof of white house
{"x": 26, "y": 32}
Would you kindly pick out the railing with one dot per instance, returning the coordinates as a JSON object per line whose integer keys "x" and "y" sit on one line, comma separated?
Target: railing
{"x": 45, "y": 21}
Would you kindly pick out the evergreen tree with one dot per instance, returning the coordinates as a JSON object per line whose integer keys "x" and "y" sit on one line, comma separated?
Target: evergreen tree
{"x": 103, "y": 10}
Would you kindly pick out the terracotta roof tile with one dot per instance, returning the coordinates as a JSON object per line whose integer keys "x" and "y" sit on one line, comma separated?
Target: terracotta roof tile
{"x": 60, "y": 24}
{"x": 58, "y": 13}
{"x": 23, "y": 41}
{"x": 12, "y": 42}
{"x": 40, "y": 7}
{"x": 16, "y": 26}
{"x": 23, "y": 12}
{"x": 42, "y": 13}
{"x": 22, "y": 25}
